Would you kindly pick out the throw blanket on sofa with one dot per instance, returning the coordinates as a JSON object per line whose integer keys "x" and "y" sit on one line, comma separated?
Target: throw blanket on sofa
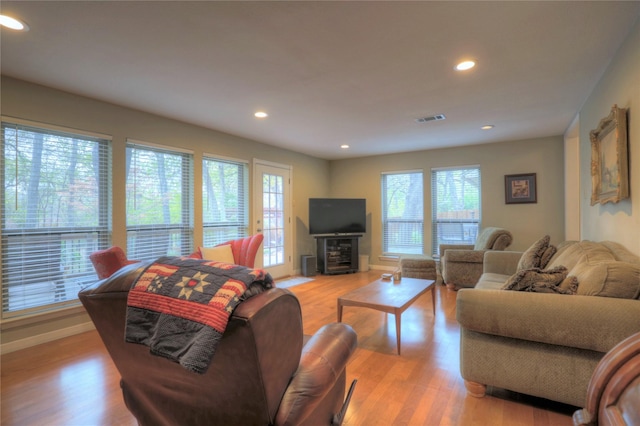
{"x": 538, "y": 280}
{"x": 180, "y": 307}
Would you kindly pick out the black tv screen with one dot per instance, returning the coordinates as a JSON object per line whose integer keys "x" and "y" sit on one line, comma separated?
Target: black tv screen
{"x": 330, "y": 216}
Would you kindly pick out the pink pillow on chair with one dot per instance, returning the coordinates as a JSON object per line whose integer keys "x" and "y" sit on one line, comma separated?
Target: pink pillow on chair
{"x": 108, "y": 261}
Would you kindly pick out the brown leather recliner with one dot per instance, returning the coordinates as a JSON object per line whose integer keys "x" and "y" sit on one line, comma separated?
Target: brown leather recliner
{"x": 613, "y": 395}
{"x": 260, "y": 374}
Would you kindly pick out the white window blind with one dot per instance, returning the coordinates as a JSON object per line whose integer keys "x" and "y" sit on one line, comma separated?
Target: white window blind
{"x": 159, "y": 202}
{"x": 55, "y": 212}
{"x": 402, "y": 212}
{"x": 455, "y": 196}
{"x": 224, "y": 200}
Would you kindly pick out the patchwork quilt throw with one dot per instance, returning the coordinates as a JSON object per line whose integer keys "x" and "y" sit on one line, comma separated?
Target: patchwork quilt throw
{"x": 179, "y": 307}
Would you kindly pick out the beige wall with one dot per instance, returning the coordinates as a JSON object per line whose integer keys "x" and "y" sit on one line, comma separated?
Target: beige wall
{"x": 528, "y": 222}
{"x": 572, "y": 182}
{"x": 41, "y": 104}
{"x": 361, "y": 177}
{"x": 619, "y": 85}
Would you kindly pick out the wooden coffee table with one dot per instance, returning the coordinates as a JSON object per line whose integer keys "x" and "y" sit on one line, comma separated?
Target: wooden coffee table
{"x": 388, "y": 296}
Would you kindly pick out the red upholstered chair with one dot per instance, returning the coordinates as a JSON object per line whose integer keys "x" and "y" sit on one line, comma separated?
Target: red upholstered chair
{"x": 244, "y": 250}
{"x": 108, "y": 261}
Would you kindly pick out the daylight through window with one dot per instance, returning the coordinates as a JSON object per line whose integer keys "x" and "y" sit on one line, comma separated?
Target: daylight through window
{"x": 55, "y": 212}
{"x": 455, "y": 195}
{"x": 159, "y": 201}
{"x": 402, "y": 212}
{"x": 224, "y": 200}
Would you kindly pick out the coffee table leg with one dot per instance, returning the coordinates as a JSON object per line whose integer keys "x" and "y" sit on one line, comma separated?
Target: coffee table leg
{"x": 433, "y": 299}
{"x": 398, "y": 323}
{"x": 339, "y": 311}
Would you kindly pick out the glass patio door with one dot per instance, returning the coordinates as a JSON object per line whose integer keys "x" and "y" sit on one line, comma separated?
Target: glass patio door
{"x": 272, "y": 217}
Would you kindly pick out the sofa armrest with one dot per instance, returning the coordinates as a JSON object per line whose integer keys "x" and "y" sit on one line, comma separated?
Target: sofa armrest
{"x": 464, "y": 256}
{"x": 444, "y": 247}
{"x": 586, "y": 322}
{"x": 323, "y": 360}
{"x": 501, "y": 262}
{"x": 461, "y": 268}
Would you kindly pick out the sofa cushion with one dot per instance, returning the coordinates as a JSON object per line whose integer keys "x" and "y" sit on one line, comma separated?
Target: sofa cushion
{"x": 561, "y": 247}
{"x": 540, "y": 281}
{"x": 491, "y": 281}
{"x": 620, "y": 252}
{"x": 584, "y": 251}
{"x": 532, "y": 256}
{"x": 608, "y": 279}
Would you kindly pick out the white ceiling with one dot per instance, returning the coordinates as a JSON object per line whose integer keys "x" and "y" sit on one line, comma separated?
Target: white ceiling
{"x": 328, "y": 73}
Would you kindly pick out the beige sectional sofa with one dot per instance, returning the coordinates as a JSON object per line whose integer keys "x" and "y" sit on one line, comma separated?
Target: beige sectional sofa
{"x": 544, "y": 343}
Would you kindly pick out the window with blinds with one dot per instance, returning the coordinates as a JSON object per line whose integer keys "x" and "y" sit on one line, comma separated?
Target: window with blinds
{"x": 402, "y": 212}
{"x": 455, "y": 198}
{"x": 55, "y": 212}
{"x": 159, "y": 201}
{"x": 224, "y": 200}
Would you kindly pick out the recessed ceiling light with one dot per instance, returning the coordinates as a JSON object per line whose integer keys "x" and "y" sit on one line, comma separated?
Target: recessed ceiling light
{"x": 344, "y": 146}
{"x": 465, "y": 65}
{"x": 13, "y": 23}
{"x": 487, "y": 127}
{"x": 261, "y": 114}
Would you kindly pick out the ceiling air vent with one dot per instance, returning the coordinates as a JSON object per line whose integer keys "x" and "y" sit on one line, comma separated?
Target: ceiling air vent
{"x": 436, "y": 117}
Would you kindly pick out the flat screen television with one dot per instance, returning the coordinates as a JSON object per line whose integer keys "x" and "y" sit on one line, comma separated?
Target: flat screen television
{"x": 337, "y": 216}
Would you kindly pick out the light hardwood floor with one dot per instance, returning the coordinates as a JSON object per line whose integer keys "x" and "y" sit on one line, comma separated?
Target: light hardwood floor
{"x": 72, "y": 381}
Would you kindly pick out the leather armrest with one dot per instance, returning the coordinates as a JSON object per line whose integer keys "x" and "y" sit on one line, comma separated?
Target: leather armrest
{"x": 323, "y": 359}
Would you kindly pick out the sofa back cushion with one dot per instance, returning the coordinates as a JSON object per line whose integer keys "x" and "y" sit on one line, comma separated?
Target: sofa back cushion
{"x": 621, "y": 252}
{"x": 569, "y": 255}
{"x": 608, "y": 279}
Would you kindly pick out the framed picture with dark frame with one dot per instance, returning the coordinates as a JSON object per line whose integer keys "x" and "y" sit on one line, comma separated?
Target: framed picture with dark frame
{"x": 520, "y": 189}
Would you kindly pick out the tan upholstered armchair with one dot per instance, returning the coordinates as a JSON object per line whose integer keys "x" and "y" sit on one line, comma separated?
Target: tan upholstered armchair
{"x": 461, "y": 264}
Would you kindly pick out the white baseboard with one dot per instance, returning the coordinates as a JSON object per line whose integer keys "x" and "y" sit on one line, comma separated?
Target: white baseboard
{"x": 45, "y": 337}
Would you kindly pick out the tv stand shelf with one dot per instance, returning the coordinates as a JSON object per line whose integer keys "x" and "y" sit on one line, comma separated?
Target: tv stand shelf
{"x": 337, "y": 254}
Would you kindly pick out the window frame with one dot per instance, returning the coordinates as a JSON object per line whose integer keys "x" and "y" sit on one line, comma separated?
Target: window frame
{"x": 242, "y": 224}
{"x": 386, "y": 249}
{"x": 71, "y": 245}
{"x": 469, "y": 227}
{"x": 184, "y": 229}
